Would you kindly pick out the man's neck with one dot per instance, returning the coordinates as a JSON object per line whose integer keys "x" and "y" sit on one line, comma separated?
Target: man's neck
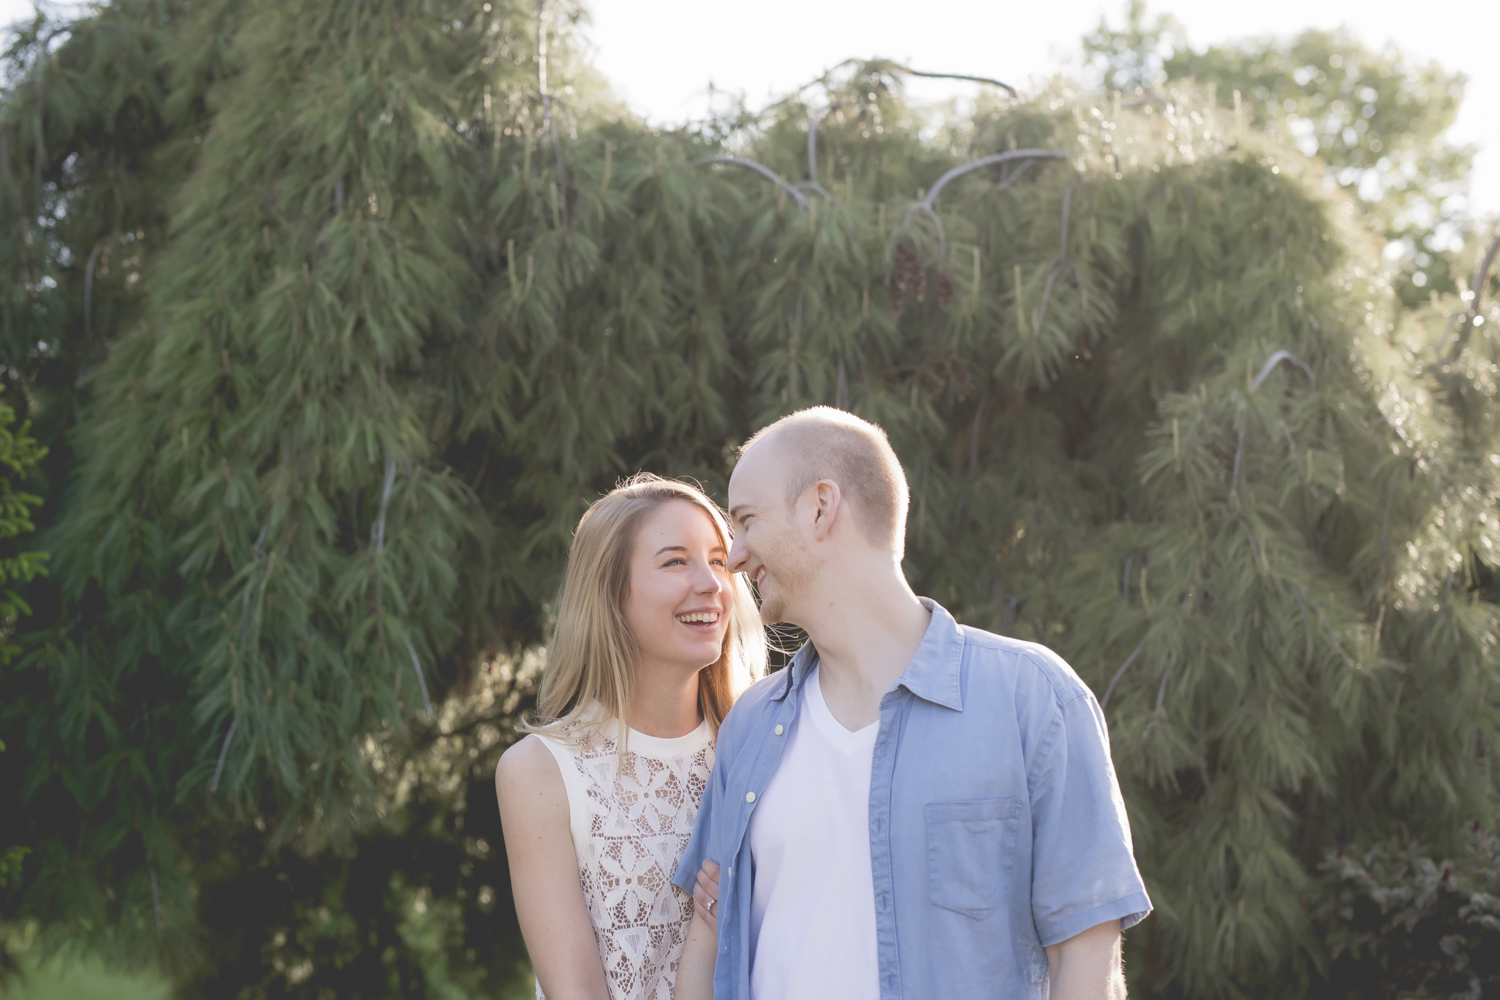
{"x": 866, "y": 624}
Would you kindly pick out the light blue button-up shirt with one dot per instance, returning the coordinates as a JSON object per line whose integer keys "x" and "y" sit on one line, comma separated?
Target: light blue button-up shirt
{"x": 996, "y": 823}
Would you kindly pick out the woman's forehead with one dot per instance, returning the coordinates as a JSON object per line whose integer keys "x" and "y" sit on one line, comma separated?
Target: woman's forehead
{"x": 682, "y": 520}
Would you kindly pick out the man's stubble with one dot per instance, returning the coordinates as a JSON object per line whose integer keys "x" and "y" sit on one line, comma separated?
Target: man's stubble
{"x": 791, "y": 569}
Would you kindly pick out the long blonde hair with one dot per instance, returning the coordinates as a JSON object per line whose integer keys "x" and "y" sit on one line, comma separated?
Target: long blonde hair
{"x": 591, "y": 660}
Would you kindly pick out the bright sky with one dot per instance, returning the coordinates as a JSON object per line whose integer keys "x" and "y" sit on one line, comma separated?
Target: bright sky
{"x": 661, "y": 55}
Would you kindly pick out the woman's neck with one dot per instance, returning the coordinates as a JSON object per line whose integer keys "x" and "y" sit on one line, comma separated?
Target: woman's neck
{"x": 665, "y": 703}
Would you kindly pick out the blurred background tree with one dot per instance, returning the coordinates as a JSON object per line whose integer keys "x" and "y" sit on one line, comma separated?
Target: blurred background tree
{"x": 1379, "y": 120}
{"x": 19, "y": 455}
{"x": 333, "y": 318}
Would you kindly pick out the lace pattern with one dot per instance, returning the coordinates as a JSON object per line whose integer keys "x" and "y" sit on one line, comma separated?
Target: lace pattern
{"x": 629, "y": 834}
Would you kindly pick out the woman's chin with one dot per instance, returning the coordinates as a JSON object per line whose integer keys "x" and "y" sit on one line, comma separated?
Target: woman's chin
{"x": 704, "y": 654}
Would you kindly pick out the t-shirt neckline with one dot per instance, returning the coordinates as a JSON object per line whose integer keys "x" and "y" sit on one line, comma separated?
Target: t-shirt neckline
{"x": 674, "y": 746}
{"x": 850, "y": 741}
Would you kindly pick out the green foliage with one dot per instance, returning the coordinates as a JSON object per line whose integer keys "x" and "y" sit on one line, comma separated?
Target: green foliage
{"x": 379, "y": 321}
{"x": 1377, "y": 119}
{"x": 418, "y": 907}
{"x": 1130, "y": 58}
{"x": 1398, "y": 923}
{"x": 19, "y": 455}
{"x": 73, "y": 978}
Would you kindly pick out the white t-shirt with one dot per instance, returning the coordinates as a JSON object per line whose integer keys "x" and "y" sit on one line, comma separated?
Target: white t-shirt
{"x": 812, "y": 908}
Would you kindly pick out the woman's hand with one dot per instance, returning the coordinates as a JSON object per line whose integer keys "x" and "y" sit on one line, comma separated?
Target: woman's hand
{"x": 706, "y": 893}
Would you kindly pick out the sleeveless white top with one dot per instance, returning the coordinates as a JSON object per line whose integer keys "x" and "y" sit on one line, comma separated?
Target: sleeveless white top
{"x": 630, "y": 824}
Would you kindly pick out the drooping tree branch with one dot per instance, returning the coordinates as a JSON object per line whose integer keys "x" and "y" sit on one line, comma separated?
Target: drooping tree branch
{"x": 1063, "y": 261}
{"x": 1276, "y": 359}
{"x": 1465, "y": 318}
{"x": 812, "y": 152}
{"x": 416, "y": 665}
{"x": 954, "y": 76}
{"x": 889, "y": 66}
{"x": 234, "y": 724}
{"x": 1104, "y": 701}
{"x": 761, "y": 169}
{"x": 927, "y": 205}
{"x": 548, "y": 122}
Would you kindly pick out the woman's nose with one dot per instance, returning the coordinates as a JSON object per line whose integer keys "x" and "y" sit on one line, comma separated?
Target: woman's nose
{"x": 708, "y": 581}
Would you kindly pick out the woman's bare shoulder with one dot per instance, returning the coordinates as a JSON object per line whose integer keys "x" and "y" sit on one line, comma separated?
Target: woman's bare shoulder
{"x": 529, "y": 767}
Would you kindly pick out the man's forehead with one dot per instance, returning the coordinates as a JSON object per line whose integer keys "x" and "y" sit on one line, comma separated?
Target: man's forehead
{"x": 752, "y": 472}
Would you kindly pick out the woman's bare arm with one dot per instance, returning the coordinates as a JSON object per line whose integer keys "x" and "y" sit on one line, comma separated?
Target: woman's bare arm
{"x": 695, "y": 972}
{"x": 544, "y": 874}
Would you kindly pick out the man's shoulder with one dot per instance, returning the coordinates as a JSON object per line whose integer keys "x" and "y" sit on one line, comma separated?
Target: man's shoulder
{"x": 1027, "y": 666}
{"x": 752, "y": 703}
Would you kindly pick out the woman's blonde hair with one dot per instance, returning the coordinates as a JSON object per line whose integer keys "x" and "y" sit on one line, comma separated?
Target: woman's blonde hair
{"x": 592, "y": 657}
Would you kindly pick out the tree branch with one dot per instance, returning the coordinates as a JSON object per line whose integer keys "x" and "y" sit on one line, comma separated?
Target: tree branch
{"x": 928, "y": 204}
{"x": 1467, "y": 317}
{"x": 1275, "y": 360}
{"x": 1104, "y": 702}
{"x": 955, "y": 76}
{"x": 416, "y": 665}
{"x": 234, "y": 724}
{"x": 761, "y": 169}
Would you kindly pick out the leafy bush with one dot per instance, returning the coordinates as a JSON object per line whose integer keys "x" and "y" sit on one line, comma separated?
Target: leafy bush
{"x": 1400, "y": 924}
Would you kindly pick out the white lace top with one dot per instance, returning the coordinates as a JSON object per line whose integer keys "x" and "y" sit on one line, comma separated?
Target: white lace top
{"x": 628, "y": 836}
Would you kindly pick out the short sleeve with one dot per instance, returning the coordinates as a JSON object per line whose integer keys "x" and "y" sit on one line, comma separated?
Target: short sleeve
{"x": 699, "y": 845}
{"x": 1083, "y": 866}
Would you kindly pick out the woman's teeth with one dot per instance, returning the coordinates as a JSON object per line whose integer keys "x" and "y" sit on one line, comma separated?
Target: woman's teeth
{"x": 705, "y": 617}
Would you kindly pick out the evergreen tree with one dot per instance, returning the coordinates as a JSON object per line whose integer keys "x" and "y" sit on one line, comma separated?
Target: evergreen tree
{"x": 397, "y": 306}
{"x": 1379, "y": 120}
{"x": 19, "y": 455}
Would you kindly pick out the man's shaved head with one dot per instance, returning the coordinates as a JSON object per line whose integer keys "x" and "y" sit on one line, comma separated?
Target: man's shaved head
{"x": 824, "y": 443}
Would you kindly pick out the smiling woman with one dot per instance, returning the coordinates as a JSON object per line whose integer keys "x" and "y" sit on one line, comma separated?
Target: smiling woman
{"x": 654, "y": 639}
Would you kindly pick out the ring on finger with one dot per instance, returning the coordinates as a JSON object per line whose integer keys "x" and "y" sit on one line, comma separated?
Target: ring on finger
{"x": 711, "y": 904}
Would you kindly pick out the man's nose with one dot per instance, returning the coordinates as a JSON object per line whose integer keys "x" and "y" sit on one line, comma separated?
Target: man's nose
{"x": 739, "y": 556}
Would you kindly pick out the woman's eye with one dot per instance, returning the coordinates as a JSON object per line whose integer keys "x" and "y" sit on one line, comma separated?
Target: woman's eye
{"x": 674, "y": 562}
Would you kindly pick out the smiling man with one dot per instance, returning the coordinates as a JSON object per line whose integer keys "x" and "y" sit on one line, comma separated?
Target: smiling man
{"x": 912, "y": 808}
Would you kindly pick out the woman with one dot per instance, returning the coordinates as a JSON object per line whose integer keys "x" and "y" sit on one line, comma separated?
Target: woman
{"x": 654, "y": 639}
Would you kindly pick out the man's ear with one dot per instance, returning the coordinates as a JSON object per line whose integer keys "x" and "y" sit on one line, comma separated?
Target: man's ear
{"x": 828, "y": 504}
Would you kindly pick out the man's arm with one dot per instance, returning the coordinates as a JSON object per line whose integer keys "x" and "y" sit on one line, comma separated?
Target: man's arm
{"x": 1087, "y": 966}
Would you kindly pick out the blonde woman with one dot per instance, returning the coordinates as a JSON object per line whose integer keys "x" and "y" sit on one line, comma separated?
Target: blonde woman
{"x": 654, "y": 639}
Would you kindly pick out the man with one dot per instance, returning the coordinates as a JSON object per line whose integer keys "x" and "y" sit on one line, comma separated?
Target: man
{"x": 912, "y": 808}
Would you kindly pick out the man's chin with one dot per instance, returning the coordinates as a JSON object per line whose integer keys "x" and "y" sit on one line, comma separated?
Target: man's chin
{"x": 772, "y": 613}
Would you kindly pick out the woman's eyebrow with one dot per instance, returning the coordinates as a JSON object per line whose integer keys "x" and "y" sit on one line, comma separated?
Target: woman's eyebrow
{"x": 683, "y": 548}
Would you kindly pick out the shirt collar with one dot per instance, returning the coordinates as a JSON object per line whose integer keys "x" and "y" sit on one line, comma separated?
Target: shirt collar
{"x": 796, "y": 671}
{"x": 933, "y": 674}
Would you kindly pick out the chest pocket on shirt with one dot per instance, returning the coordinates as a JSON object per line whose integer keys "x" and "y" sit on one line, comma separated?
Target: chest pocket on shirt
{"x": 971, "y": 848}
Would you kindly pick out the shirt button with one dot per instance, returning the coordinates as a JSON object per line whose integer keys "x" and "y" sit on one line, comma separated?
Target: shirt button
{"x": 749, "y": 796}
{"x": 731, "y": 871}
{"x": 778, "y": 730}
